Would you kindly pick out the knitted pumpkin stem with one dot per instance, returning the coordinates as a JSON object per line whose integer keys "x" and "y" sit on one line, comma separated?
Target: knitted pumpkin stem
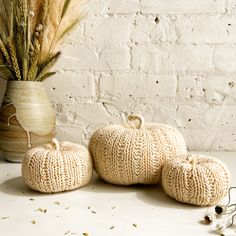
{"x": 193, "y": 161}
{"x": 139, "y": 118}
{"x": 56, "y": 144}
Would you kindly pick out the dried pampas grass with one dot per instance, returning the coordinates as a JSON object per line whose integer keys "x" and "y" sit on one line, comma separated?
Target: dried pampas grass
{"x": 31, "y": 34}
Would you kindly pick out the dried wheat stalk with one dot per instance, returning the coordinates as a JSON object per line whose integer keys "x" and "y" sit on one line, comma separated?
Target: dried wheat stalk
{"x": 31, "y": 34}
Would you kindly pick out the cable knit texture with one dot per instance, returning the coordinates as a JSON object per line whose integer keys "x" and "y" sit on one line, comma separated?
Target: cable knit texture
{"x": 57, "y": 167}
{"x": 134, "y": 153}
{"x": 196, "y": 179}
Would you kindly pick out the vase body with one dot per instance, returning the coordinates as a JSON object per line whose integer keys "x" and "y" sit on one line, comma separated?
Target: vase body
{"x": 27, "y": 119}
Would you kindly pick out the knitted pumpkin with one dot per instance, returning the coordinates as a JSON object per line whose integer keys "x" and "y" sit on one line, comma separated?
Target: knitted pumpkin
{"x": 131, "y": 154}
{"x": 196, "y": 179}
{"x": 57, "y": 167}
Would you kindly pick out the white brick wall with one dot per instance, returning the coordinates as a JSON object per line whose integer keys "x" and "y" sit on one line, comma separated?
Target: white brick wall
{"x": 173, "y": 61}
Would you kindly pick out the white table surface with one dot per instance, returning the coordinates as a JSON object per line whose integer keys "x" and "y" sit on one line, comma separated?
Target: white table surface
{"x": 148, "y": 207}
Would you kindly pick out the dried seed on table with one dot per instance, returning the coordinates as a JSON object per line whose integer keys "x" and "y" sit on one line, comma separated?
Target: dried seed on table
{"x": 112, "y": 227}
{"x": 67, "y": 232}
{"x": 31, "y": 199}
{"x": 135, "y": 225}
{"x": 89, "y": 207}
{"x": 85, "y": 234}
{"x": 5, "y": 218}
{"x": 68, "y": 207}
{"x": 114, "y": 207}
{"x": 33, "y": 222}
{"x": 94, "y": 212}
{"x": 41, "y": 210}
{"x": 57, "y": 203}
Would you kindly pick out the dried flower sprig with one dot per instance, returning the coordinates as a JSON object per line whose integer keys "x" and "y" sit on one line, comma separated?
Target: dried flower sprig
{"x": 31, "y": 33}
{"x": 223, "y": 212}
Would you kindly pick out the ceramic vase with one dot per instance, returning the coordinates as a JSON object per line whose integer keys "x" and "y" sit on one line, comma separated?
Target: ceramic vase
{"x": 27, "y": 119}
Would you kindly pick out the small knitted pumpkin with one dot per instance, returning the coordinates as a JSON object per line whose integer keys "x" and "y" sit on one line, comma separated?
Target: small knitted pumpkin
{"x": 57, "y": 167}
{"x": 131, "y": 154}
{"x": 196, "y": 179}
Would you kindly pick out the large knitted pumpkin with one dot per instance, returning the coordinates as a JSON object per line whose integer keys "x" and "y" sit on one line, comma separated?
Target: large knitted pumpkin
{"x": 196, "y": 179}
{"x": 57, "y": 167}
{"x": 134, "y": 153}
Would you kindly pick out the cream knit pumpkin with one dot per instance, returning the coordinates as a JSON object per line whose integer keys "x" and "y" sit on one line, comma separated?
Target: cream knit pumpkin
{"x": 196, "y": 179}
{"x": 57, "y": 167}
{"x": 131, "y": 154}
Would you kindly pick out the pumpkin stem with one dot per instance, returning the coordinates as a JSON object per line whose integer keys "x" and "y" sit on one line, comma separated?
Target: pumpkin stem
{"x": 56, "y": 144}
{"x": 193, "y": 161}
{"x": 139, "y": 118}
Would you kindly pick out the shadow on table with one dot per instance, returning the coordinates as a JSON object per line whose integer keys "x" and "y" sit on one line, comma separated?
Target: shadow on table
{"x": 151, "y": 194}
{"x": 16, "y": 186}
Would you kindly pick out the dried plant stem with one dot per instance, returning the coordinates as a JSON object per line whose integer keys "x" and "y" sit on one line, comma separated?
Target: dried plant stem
{"x": 5, "y": 53}
{"x": 31, "y": 31}
{"x": 14, "y": 61}
{"x": 34, "y": 62}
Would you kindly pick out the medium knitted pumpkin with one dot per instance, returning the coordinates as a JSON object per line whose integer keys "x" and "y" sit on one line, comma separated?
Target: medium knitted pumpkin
{"x": 57, "y": 167}
{"x": 196, "y": 179}
{"x": 131, "y": 154}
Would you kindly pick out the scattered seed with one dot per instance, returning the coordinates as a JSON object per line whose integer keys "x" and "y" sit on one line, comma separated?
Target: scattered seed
{"x": 89, "y": 207}
{"x": 85, "y": 234}
{"x": 113, "y": 207}
{"x": 112, "y": 227}
{"x": 41, "y": 210}
{"x": 94, "y": 212}
{"x": 135, "y": 225}
{"x": 31, "y": 199}
{"x": 5, "y": 218}
{"x": 57, "y": 203}
{"x": 33, "y": 222}
{"x": 67, "y": 232}
{"x": 67, "y": 208}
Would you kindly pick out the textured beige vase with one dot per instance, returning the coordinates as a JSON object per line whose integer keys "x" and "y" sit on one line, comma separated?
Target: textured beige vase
{"x": 26, "y": 119}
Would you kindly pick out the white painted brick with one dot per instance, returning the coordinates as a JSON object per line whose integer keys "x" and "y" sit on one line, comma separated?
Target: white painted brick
{"x": 231, "y": 6}
{"x": 182, "y": 6}
{"x": 71, "y": 134}
{"x": 91, "y": 113}
{"x": 138, "y": 85}
{"x": 164, "y": 59}
{"x": 94, "y": 58}
{"x": 216, "y": 90}
{"x": 108, "y": 30}
{"x": 207, "y": 29}
{"x": 224, "y": 59}
{"x": 190, "y": 87}
{"x": 203, "y": 116}
{"x": 191, "y": 115}
{"x": 123, "y": 6}
{"x": 149, "y": 28}
{"x": 204, "y": 140}
{"x": 113, "y": 6}
{"x": 71, "y": 84}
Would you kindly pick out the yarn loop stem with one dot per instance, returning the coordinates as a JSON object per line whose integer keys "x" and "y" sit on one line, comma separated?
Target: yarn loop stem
{"x": 56, "y": 144}
{"x": 193, "y": 161}
{"x": 137, "y": 117}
